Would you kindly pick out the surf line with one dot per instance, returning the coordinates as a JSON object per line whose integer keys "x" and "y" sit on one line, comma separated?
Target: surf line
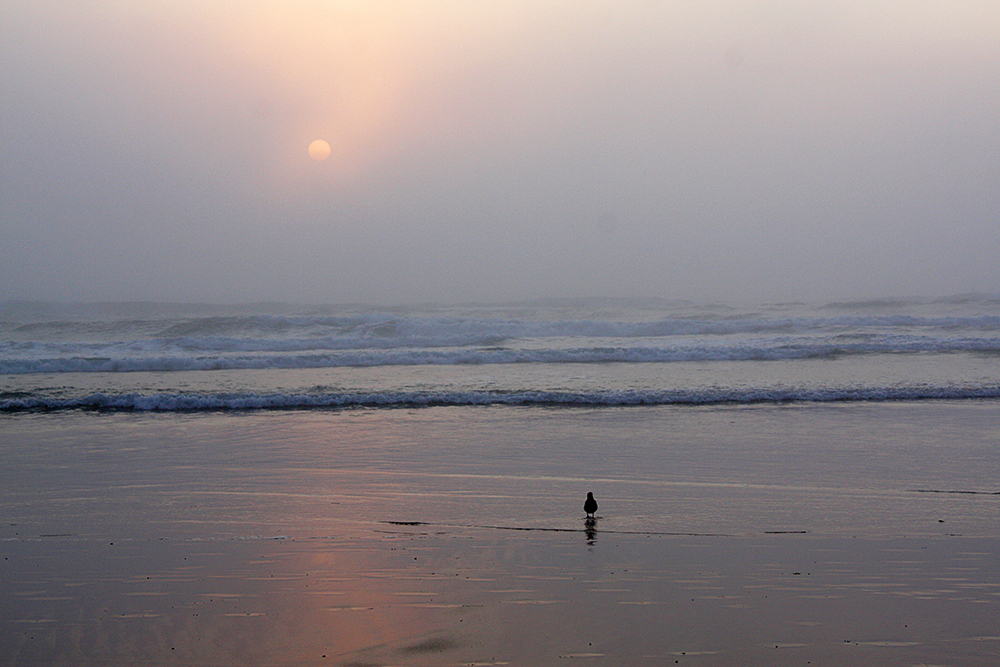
{"x": 565, "y": 530}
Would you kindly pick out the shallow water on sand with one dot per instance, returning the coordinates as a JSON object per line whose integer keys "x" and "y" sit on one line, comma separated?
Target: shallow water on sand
{"x": 829, "y": 534}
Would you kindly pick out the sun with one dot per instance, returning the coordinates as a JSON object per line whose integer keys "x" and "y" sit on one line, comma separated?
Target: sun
{"x": 319, "y": 150}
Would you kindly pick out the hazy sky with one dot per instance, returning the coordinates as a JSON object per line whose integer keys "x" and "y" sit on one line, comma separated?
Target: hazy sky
{"x": 494, "y": 150}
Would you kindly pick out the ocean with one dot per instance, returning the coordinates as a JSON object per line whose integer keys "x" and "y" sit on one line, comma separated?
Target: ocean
{"x": 275, "y": 484}
{"x": 597, "y": 352}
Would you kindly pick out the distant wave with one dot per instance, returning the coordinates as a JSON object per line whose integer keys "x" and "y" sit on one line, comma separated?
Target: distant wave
{"x": 972, "y": 298}
{"x": 770, "y": 350}
{"x": 174, "y": 402}
{"x": 363, "y": 330}
{"x": 446, "y": 329}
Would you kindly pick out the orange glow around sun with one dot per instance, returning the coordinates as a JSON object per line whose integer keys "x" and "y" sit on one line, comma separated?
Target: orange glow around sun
{"x": 358, "y": 74}
{"x": 336, "y": 70}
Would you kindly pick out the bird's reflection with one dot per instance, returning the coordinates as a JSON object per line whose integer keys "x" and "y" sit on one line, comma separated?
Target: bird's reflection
{"x": 590, "y": 529}
{"x": 590, "y": 523}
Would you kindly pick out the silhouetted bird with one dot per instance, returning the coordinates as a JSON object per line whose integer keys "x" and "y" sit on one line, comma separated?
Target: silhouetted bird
{"x": 590, "y": 505}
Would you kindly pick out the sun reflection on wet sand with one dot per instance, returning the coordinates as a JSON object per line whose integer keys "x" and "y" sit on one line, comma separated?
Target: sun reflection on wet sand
{"x": 424, "y": 595}
{"x": 229, "y": 602}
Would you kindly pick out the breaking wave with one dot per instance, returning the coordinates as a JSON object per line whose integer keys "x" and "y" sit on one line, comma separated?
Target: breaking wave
{"x": 179, "y": 402}
{"x": 373, "y": 326}
{"x": 122, "y": 361}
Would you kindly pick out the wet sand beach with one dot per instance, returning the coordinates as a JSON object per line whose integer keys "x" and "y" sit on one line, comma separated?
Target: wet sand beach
{"x": 770, "y": 535}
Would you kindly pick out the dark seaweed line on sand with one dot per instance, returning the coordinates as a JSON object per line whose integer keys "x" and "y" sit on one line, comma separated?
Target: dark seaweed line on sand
{"x": 968, "y": 493}
{"x": 581, "y": 530}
